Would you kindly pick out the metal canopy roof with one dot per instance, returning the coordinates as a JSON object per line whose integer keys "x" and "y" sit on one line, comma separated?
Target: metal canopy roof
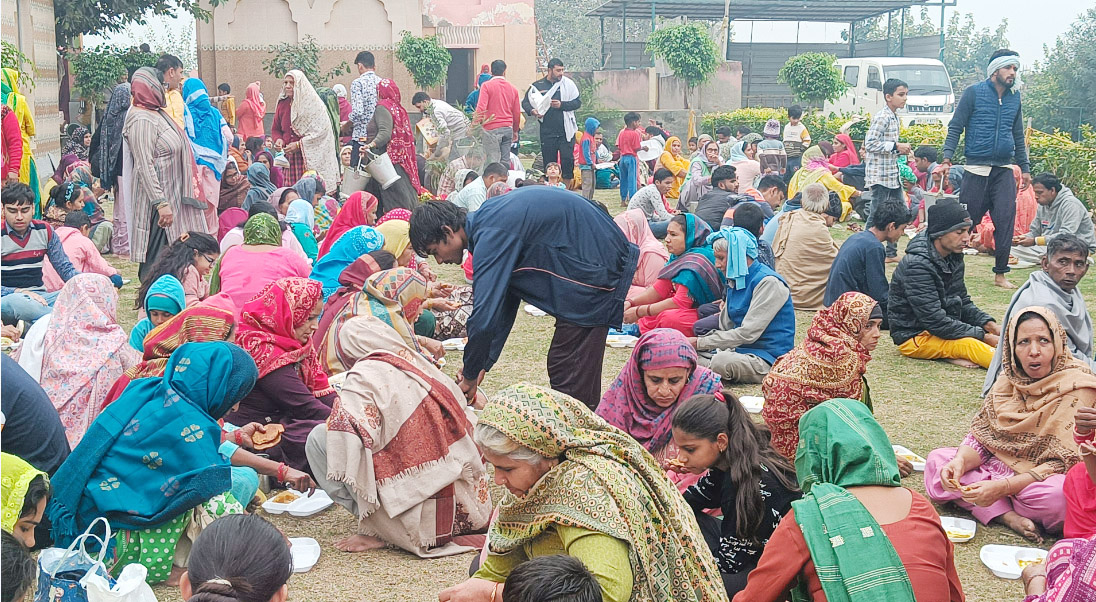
{"x": 839, "y": 11}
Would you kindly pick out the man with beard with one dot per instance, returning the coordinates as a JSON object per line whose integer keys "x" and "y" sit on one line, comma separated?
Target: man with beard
{"x": 990, "y": 113}
{"x": 557, "y": 123}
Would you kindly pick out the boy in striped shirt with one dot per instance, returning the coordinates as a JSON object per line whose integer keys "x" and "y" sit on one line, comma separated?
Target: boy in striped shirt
{"x": 24, "y": 244}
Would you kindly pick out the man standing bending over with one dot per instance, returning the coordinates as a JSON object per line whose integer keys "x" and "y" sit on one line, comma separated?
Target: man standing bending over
{"x": 557, "y": 125}
{"x": 551, "y": 248}
{"x": 990, "y": 113}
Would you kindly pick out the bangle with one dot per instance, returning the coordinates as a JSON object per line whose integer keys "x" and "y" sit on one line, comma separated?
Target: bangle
{"x": 495, "y": 591}
{"x": 281, "y": 472}
{"x": 1008, "y": 486}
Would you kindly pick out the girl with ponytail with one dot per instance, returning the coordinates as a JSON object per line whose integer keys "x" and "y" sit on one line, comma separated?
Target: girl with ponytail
{"x": 714, "y": 433}
{"x": 238, "y": 558}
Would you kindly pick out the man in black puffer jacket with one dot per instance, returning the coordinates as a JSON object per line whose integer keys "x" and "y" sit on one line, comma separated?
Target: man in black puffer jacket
{"x": 930, "y": 312}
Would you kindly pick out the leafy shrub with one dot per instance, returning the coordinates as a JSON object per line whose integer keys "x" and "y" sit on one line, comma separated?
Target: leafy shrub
{"x": 305, "y": 56}
{"x": 813, "y": 77}
{"x": 688, "y": 50}
{"x": 13, "y": 58}
{"x": 425, "y": 58}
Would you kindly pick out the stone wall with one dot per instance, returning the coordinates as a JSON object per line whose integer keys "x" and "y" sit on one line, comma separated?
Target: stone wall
{"x": 645, "y": 90}
{"x": 29, "y": 24}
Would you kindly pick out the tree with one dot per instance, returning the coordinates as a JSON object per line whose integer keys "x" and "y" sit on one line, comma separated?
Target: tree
{"x": 689, "y": 51}
{"x": 13, "y": 58}
{"x": 813, "y": 77}
{"x": 304, "y": 56}
{"x": 968, "y": 48}
{"x": 1058, "y": 92}
{"x": 77, "y": 17}
{"x": 425, "y": 59}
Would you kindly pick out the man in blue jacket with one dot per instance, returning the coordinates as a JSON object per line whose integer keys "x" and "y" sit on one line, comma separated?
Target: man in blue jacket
{"x": 990, "y": 113}
{"x": 551, "y": 248}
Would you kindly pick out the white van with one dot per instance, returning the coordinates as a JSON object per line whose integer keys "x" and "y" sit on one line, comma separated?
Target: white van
{"x": 931, "y": 99}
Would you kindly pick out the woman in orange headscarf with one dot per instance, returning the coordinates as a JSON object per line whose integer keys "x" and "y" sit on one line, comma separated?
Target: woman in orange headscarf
{"x": 673, "y": 160}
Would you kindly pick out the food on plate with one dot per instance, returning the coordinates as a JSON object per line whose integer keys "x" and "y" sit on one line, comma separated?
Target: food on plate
{"x": 959, "y": 533}
{"x": 268, "y": 438}
{"x": 284, "y": 497}
{"x": 1027, "y": 562}
{"x": 911, "y": 457}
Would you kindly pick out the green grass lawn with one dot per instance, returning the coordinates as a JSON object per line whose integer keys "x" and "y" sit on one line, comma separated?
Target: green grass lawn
{"x": 923, "y": 405}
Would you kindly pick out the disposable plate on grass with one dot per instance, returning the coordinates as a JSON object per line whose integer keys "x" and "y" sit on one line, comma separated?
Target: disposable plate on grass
{"x": 959, "y": 530}
{"x": 620, "y": 341}
{"x": 1008, "y": 562}
{"x": 308, "y": 505}
{"x": 305, "y": 552}
{"x": 456, "y": 344}
{"x": 915, "y": 459}
{"x": 534, "y": 311}
{"x": 752, "y": 403}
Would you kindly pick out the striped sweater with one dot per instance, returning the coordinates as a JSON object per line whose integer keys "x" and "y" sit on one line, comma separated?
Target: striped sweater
{"x": 22, "y": 254}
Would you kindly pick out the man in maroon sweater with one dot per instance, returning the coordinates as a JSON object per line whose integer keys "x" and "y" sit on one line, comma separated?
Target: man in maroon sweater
{"x": 499, "y": 111}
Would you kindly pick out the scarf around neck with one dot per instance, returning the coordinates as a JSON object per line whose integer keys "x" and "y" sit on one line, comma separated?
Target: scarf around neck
{"x": 695, "y": 268}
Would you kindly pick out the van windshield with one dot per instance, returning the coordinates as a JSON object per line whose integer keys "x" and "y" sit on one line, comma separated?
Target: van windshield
{"x": 922, "y": 79}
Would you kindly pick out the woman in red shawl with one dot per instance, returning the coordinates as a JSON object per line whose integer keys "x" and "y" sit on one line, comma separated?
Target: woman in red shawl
{"x": 830, "y": 363}
{"x": 276, "y": 328}
{"x": 844, "y": 152}
{"x": 358, "y": 210}
{"x": 249, "y": 117}
{"x": 390, "y": 132}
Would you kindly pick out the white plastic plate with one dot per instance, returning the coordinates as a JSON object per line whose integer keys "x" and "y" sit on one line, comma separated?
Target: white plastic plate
{"x": 621, "y": 341}
{"x": 915, "y": 459}
{"x": 272, "y": 507}
{"x": 752, "y": 403}
{"x": 959, "y": 530}
{"x": 456, "y": 344}
{"x": 308, "y": 505}
{"x": 305, "y": 553}
{"x": 534, "y": 311}
{"x": 1002, "y": 560}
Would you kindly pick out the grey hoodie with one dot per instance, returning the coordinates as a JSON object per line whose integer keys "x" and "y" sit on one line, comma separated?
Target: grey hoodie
{"x": 1066, "y": 213}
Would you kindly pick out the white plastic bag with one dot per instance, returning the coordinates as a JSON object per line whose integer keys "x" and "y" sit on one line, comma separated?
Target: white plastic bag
{"x": 130, "y": 587}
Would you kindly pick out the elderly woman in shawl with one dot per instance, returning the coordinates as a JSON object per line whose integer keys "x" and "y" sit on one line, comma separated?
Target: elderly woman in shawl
{"x": 390, "y": 132}
{"x": 165, "y": 430}
{"x": 652, "y": 253}
{"x": 1011, "y": 467}
{"x": 10, "y": 96}
{"x": 687, "y": 281}
{"x": 276, "y": 328}
{"x": 249, "y": 117}
{"x": 244, "y": 270}
{"x": 677, "y": 163}
{"x": 397, "y": 451}
{"x": 830, "y": 362}
{"x": 360, "y": 209}
{"x": 581, "y": 487}
{"x": 856, "y": 535}
{"x": 234, "y": 188}
{"x": 84, "y": 350}
{"x": 698, "y": 181}
{"x": 817, "y": 169}
{"x": 258, "y": 175}
{"x": 660, "y": 375}
{"x": 353, "y": 244}
{"x": 302, "y": 127}
{"x": 804, "y": 249}
{"x": 210, "y": 139}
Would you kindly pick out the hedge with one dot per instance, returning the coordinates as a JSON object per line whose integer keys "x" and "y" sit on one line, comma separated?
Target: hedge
{"x": 1074, "y": 162}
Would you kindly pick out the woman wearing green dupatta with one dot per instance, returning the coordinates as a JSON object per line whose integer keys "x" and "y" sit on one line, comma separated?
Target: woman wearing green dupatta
{"x": 581, "y": 487}
{"x": 244, "y": 270}
{"x": 151, "y": 462}
{"x": 857, "y": 535}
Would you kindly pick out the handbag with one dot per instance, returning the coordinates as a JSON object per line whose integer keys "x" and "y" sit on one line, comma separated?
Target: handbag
{"x": 60, "y": 570}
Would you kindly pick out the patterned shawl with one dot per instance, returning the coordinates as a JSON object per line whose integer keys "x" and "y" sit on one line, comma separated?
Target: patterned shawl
{"x": 396, "y": 298}
{"x": 1070, "y": 572}
{"x": 605, "y": 482}
{"x": 695, "y": 268}
{"x": 400, "y": 437}
{"x": 165, "y": 430}
{"x": 829, "y": 363}
{"x": 626, "y": 404}
{"x": 266, "y": 330}
{"x": 109, "y": 161}
{"x": 75, "y": 144}
{"x": 353, "y": 280}
{"x": 234, "y": 188}
{"x": 84, "y": 352}
{"x": 399, "y": 213}
{"x": 204, "y": 127}
{"x": 309, "y": 117}
{"x": 841, "y": 445}
{"x": 401, "y": 147}
{"x": 15, "y": 477}
{"x": 358, "y": 210}
{"x": 1026, "y": 423}
{"x": 350, "y": 246}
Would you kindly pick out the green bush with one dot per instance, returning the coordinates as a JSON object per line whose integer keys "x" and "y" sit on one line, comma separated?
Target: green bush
{"x": 1073, "y": 162}
{"x": 813, "y": 77}
{"x": 425, "y": 58}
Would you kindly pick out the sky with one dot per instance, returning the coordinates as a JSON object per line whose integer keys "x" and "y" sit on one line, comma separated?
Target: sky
{"x": 1031, "y": 23}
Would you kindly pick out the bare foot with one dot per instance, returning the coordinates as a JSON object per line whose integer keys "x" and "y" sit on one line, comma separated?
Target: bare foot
{"x": 175, "y": 576}
{"x": 359, "y": 543}
{"x": 963, "y": 363}
{"x": 1001, "y": 281}
{"x": 1022, "y": 526}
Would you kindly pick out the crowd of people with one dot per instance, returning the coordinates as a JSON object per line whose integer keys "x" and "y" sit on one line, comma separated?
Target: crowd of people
{"x": 291, "y": 327}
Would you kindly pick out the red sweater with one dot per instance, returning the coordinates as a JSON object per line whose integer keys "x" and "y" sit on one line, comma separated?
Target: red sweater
{"x": 499, "y": 104}
{"x": 629, "y": 142}
{"x": 13, "y": 144}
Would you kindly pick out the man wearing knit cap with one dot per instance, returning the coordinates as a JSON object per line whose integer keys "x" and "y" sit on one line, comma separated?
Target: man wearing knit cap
{"x": 990, "y": 113}
{"x": 930, "y": 312}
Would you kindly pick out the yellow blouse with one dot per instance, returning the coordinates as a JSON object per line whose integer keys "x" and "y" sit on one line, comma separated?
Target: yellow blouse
{"x": 678, "y": 165}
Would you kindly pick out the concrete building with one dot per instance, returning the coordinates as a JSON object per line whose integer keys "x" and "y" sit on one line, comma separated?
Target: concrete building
{"x": 234, "y": 43}
{"x": 29, "y": 25}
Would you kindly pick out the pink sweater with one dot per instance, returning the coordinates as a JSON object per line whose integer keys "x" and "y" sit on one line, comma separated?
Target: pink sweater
{"x": 83, "y": 255}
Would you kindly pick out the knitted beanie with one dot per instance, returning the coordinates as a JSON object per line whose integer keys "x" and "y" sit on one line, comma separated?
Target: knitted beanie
{"x": 946, "y": 216}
